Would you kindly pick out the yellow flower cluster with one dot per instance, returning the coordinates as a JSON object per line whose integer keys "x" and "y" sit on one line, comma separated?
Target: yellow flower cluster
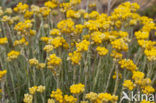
{"x": 146, "y": 44}
{"x": 57, "y": 95}
{"x": 97, "y": 37}
{"x": 66, "y": 26}
{"x": 75, "y": 57}
{"x": 144, "y": 101}
{"x": 35, "y": 89}
{"x": 3, "y": 41}
{"x": 24, "y": 28}
{"x": 120, "y": 44}
{"x": 22, "y": 41}
{"x": 82, "y": 46}
{"x": 78, "y": 29}
{"x": 28, "y": 14}
{"x": 48, "y": 48}
{"x": 32, "y": 90}
{"x": 55, "y": 32}
{"x": 59, "y": 41}
{"x": 101, "y": 97}
{"x": 129, "y": 84}
{"x": 77, "y": 88}
{"x": 28, "y": 98}
{"x": 116, "y": 55}
{"x": 46, "y": 39}
{"x": 73, "y": 14}
{"x": 21, "y": 8}
{"x": 13, "y": 55}
{"x": 101, "y": 51}
{"x": 128, "y": 64}
{"x": 151, "y": 54}
{"x": 144, "y": 83}
{"x": 45, "y": 11}
{"x": 70, "y": 99}
{"x": 51, "y": 4}
{"x": 53, "y": 60}
{"x": 141, "y": 35}
{"x": 2, "y": 73}
{"x": 35, "y": 62}
{"x": 115, "y": 75}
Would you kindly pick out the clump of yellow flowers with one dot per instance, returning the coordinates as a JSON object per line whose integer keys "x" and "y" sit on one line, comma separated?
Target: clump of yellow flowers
{"x": 13, "y": 55}
{"x": 2, "y": 73}
{"x": 81, "y": 55}
{"x": 3, "y": 41}
{"x": 77, "y": 88}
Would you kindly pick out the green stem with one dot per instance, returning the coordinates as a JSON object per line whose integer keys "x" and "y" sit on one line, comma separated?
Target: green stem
{"x": 97, "y": 73}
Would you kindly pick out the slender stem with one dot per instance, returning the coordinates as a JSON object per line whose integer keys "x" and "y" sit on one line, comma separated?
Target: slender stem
{"x": 97, "y": 73}
{"x": 74, "y": 75}
{"x": 117, "y": 81}
{"x": 109, "y": 77}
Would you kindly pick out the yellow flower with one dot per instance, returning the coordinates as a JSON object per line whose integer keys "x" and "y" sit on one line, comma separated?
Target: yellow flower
{"x": 3, "y": 41}
{"x": 146, "y": 44}
{"x": 2, "y": 73}
{"x": 51, "y": 4}
{"x": 84, "y": 102}
{"x": 5, "y": 18}
{"x": 28, "y": 98}
{"x": 78, "y": 29}
{"x": 106, "y": 97}
{"x": 33, "y": 62}
{"x": 75, "y": 2}
{"x": 101, "y": 51}
{"x": 55, "y": 32}
{"x": 41, "y": 65}
{"x": 58, "y": 41}
{"x": 75, "y": 57}
{"x": 28, "y": 14}
{"x": 91, "y": 96}
{"x": 97, "y": 37}
{"x": 8, "y": 10}
{"x": 92, "y": 25}
{"x": 40, "y": 89}
{"x": 48, "y": 48}
{"x": 51, "y": 101}
{"x": 82, "y": 46}
{"x": 93, "y": 15}
{"x": 138, "y": 77}
{"x": 21, "y": 8}
{"x": 120, "y": 44}
{"x": 70, "y": 99}
{"x": 115, "y": 75}
{"x": 128, "y": 84}
{"x": 33, "y": 90}
{"x": 45, "y": 11}
{"x": 116, "y": 55}
{"x": 144, "y": 101}
{"x": 57, "y": 95}
{"x": 13, "y": 55}
{"x": 73, "y": 14}
{"x": 46, "y": 39}
{"x": 142, "y": 35}
{"x": 22, "y": 41}
{"x": 77, "y": 88}
{"x": 66, "y": 26}
{"x": 148, "y": 89}
{"x": 53, "y": 60}
{"x": 24, "y": 27}
{"x": 128, "y": 64}
{"x": 151, "y": 54}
